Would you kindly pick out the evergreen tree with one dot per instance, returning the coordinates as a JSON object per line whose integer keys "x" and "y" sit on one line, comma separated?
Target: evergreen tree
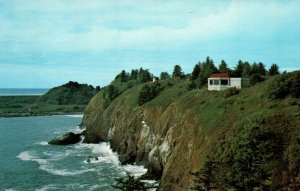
{"x": 144, "y": 75}
{"x": 207, "y": 68}
{"x": 196, "y": 72}
{"x": 97, "y": 88}
{"x": 112, "y": 92}
{"x": 246, "y": 69}
{"x": 223, "y": 67}
{"x": 177, "y": 72}
{"x": 238, "y": 71}
{"x": 149, "y": 92}
{"x": 134, "y": 74}
{"x": 164, "y": 76}
{"x": 254, "y": 68}
{"x": 261, "y": 69}
{"x": 124, "y": 76}
{"x": 274, "y": 70}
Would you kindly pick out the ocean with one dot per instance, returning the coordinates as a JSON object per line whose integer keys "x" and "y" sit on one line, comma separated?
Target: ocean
{"x": 22, "y": 91}
{"x": 28, "y": 162}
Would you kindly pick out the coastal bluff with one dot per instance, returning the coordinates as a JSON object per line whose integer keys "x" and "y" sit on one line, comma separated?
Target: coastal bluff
{"x": 178, "y": 132}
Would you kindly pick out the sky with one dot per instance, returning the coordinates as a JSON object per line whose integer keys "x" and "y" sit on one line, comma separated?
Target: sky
{"x": 46, "y": 43}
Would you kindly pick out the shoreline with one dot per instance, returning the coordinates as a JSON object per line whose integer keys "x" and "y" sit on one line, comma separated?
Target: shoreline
{"x": 7, "y": 115}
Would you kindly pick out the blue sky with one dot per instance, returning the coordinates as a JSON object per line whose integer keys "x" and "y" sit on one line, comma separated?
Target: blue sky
{"x": 45, "y": 43}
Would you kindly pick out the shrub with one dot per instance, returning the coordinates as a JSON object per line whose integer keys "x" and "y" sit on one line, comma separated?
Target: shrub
{"x": 149, "y": 92}
{"x": 254, "y": 158}
{"x": 231, "y": 91}
{"x": 256, "y": 78}
{"x": 110, "y": 93}
{"x": 192, "y": 85}
{"x": 284, "y": 85}
{"x": 129, "y": 182}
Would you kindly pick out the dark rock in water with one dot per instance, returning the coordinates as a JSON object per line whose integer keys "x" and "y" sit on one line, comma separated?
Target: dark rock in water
{"x": 66, "y": 139}
{"x": 91, "y": 158}
{"x": 91, "y": 138}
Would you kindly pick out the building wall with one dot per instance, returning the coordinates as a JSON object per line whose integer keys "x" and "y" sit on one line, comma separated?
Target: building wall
{"x": 217, "y": 87}
{"x": 236, "y": 82}
{"x": 233, "y": 82}
{"x": 245, "y": 82}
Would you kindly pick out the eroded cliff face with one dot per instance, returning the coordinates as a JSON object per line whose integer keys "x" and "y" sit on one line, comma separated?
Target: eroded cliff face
{"x": 163, "y": 139}
{"x": 173, "y": 136}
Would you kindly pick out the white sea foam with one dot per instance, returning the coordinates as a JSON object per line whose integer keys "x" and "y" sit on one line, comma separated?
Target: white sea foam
{"x": 135, "y": 170}
{"x": 26, "y": 155}
{"x": 48, "y": 187}
{"x": 43, "y": 143}
{"x": 56, "y": 155}
{"x": 103, "y": 153}
{"x": 75, "y": 115}
{"x": 63, "y": 172}
{"x": 46, "y": 166}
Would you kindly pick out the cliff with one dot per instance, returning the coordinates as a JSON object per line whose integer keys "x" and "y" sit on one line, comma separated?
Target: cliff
{"x": 179, "y": 131}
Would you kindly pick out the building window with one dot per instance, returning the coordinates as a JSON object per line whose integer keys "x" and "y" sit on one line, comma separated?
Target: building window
{"x": 216, "y": 82}
{"x": 211, "y": 82}
{"x": 224, "y": 82}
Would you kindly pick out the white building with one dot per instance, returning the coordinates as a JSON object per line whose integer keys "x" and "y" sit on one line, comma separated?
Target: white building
{"x": 222, "y": 81}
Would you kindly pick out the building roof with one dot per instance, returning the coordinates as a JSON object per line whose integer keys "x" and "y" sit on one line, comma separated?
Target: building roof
{"x": 219, "y": 75}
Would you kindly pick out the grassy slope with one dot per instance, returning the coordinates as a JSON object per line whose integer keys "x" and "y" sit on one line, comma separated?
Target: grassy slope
{"x": 200, "y": 118}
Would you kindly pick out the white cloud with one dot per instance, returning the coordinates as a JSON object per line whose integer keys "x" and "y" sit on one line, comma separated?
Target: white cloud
{"x": 59, "y": 31}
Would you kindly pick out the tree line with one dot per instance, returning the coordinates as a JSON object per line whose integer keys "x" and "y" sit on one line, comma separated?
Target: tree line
{"x": 198, "y": 78}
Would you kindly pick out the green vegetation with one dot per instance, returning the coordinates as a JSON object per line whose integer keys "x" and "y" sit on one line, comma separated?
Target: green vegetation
{"x": 130, "y": 183}
{"x": 263, "y": 154}
{"x": 124, "y": 81}
{"x": 284, "y": 85}
{"x": 68, "y": 98}
{"x": 71, "y": 93}
{"x": 177, "y": 72}
{"x": 149, "y": 92}
{"x": 256, "y": 72}
{"x": 243, "y": 139}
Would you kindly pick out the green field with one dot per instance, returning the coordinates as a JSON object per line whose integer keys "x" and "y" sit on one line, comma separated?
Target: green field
{"x": 12, "y": 106}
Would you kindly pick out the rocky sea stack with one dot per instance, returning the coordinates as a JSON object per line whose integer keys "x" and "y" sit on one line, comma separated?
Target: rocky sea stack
{"x": 66, "y": 139}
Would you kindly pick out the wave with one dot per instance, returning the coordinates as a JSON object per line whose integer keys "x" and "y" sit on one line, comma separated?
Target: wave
{"x": 43, "y": 143}
{"x": 72, "y": 186}
{"x": 75, "y": 115}
{"x": 29, "y": 156}
{"x": 63, "y": 172}
{"x": 103, "y": 153}
{"x": 25, "y": 156}
{"x": 46, "y": 166}
{"x": 48, "y": 187}
{"x": 135, "y": 170}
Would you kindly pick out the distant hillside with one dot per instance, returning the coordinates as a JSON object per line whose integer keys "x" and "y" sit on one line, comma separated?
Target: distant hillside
{"x": 190, "y": 137}
{"x": 69, "y": 94}
{"x": 68, "y": 98}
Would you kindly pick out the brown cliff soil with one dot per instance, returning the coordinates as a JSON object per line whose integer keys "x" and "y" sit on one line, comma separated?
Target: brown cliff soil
{"x": 174, "y": 133}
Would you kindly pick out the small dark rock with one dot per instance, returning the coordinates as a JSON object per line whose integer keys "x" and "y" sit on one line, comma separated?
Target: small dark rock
{"x": 66, "y": 139}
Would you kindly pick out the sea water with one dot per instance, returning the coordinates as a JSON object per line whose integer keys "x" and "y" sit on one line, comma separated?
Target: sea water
{"x": 28, "y": 162}
{"x": 22, "y": 91}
